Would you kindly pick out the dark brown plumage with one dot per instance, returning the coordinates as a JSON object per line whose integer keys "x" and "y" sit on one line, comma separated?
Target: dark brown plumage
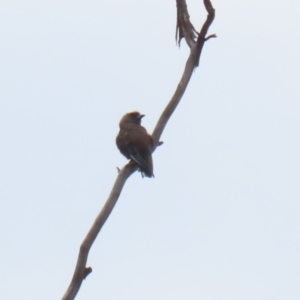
{"x": 135, "y": 143}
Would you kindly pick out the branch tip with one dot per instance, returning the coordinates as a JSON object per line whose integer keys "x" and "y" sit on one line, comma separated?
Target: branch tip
{"x": 211, "y": 36}
{"x": 87, "y": 271}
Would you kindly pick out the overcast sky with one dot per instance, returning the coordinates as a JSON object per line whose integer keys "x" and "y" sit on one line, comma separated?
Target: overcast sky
{"x": 220, "y": 221}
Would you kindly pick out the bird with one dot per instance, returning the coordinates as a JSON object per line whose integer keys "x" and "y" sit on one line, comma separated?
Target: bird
{"x": 135, "y": 143}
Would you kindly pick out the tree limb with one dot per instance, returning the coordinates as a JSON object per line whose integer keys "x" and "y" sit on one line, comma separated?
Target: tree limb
{"x": 184, "y": 29}
{"x": 192, "y": 62}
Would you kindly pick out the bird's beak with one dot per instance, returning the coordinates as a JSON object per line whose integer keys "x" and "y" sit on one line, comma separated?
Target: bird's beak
{"x": 140, "y": 116}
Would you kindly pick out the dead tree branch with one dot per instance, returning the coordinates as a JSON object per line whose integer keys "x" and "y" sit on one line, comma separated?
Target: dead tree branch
{"x": 196, "y": 41}
{"x": 186, "y": 30}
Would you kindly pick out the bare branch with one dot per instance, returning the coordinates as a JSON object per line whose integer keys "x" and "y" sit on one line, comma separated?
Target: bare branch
{"x": 165, "y": 116}
{"x": 191, "y": 63}
{"x": 80, "y": 270}
{"x": 184, "y": 29}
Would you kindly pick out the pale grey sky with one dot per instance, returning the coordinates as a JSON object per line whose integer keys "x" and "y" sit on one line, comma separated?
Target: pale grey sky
{"x": 221, "y": 218}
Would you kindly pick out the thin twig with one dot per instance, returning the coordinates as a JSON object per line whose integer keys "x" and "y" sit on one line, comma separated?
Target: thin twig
{"x": 184, "y": 27}
{"x": 210, "y": 36}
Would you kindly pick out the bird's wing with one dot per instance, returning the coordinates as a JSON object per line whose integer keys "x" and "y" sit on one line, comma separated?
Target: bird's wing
{"x": 138, "y": 158}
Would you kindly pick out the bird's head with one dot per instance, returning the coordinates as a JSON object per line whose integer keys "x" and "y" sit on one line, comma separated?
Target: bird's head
{"x": 133, "y": 117}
